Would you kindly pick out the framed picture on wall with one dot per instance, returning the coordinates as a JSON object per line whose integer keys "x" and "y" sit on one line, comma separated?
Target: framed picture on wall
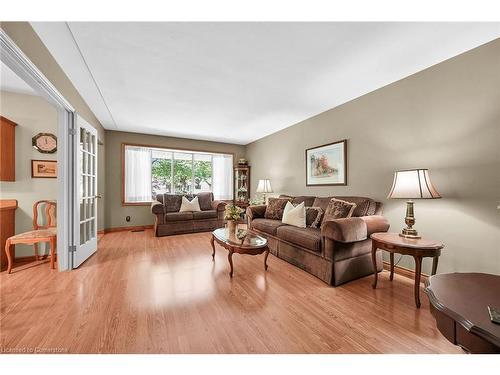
{"x": 43, "y": 168}
{"x": 327, "y": 164}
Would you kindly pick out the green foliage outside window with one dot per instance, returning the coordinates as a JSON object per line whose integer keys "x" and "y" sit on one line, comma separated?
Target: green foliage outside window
{"x": 183, "y": 175}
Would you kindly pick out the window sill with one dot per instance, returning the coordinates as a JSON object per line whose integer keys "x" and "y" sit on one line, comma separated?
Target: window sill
{"x": 137, "y": 203}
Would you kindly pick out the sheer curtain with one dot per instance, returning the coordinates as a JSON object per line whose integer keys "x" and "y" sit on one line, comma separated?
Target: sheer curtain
{"x": 222, "y": 176}
{"x": 137, "y": 174}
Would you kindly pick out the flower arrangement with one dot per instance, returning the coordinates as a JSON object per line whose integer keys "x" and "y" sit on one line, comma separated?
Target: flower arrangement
{"x": 232, "y": 212}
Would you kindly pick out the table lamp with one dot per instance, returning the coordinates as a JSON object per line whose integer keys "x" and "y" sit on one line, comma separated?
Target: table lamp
{"x": 412, "y": 184}
{"x": 264, "y": 186}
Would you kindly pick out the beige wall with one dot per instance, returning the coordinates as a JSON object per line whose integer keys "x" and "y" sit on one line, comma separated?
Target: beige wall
{"x": 28, "y": 41}
{"x": 33, "y": 115}
{"x": 141, "y": 215}
{"x": 445, "y": 118}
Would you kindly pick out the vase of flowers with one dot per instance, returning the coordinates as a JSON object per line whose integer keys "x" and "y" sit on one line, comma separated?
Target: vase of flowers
{"x": 232, "y": 215}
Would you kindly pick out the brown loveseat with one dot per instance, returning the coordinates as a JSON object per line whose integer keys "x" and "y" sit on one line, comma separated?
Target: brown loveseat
{"x": 337, "y": 252}
{"x": 168, "y": 219}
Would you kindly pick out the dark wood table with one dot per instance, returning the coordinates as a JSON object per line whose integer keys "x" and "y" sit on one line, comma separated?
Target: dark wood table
{"x": 459, "y": 303}
{"x": 417, "y": 248}
{"x": 252, "y": 244}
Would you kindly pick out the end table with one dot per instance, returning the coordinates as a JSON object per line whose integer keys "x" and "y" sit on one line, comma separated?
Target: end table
{"x": 417, "y": 248}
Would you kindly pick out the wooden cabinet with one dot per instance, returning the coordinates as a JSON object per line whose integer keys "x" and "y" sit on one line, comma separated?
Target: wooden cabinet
{"x": 7, "y": 149}
{"x": 242, "y": 185}
{"x": 7, "y": 229}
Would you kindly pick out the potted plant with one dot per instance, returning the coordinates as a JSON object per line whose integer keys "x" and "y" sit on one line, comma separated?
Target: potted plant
{"x": 232, "y": 215}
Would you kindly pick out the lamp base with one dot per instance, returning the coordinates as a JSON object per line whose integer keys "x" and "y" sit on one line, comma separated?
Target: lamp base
{"x": 409, "y": 233}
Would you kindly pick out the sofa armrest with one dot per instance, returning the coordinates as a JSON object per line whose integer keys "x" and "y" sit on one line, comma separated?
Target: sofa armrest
{"x": 354, "y": 229}
{"x": 157, "y": 208}
{"x": 218, "y": 205}
{"x": 253, "y": 212}
{"x": 347, "y": 230}
{"x": 375, "y": 223}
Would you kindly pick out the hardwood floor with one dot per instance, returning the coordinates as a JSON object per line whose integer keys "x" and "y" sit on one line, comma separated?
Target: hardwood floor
{"x": 141, "y": 294}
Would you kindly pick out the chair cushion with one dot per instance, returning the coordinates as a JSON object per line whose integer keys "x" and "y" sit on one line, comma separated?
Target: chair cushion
{"x": 275, "y": 207}
{"x": 208, "y": 214}
{"x": 309, "y": 238}
{"x": 268, "y": 226}
{"x": 38, "y": 233}
{"x": 178, "y": 216}
{"x": 205, "y": 200}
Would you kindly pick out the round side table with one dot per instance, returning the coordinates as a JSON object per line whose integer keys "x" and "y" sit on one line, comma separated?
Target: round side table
{"x": 417, "y": 248}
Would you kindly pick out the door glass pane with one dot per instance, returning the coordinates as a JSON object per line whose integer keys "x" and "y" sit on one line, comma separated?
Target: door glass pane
{"x": 82, "y": 233}
{"x": 82, "y": 210}
{"x": 183, "y": 172}
{"x": 202, "y": 173}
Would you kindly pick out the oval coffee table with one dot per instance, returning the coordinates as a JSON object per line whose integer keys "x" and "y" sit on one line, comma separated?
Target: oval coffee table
{"x": 252, "y": 244}
{"x": 417, "y": 248}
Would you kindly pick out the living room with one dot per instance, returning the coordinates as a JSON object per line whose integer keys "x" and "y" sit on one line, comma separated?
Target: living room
{"x": 252, "y": 188}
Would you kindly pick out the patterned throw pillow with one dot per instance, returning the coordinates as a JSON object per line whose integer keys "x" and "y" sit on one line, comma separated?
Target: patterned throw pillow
{"x": 313, "y": 216}
{"x": 275, "y": 207}
{"x": 338, "y": 209}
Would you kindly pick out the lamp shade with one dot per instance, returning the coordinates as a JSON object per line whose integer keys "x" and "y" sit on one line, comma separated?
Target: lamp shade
{"x": 264, "y": 186}
{"x": 413, "y": 184}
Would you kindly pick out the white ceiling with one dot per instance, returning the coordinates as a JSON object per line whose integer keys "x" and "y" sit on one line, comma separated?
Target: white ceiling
{"x": 10, "y": 81}
{"x": 238, "y": 82}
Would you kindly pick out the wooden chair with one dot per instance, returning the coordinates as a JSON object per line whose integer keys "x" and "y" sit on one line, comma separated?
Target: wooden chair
{"x": 46, "y": 232}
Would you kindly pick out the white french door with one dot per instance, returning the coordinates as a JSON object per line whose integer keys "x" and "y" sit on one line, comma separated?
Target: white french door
{"x": 85, "y": 210}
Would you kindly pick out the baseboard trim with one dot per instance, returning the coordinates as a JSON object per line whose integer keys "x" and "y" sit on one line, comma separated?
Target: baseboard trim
{"x": 125, "y": 229}
{"x": 406, "y": 272}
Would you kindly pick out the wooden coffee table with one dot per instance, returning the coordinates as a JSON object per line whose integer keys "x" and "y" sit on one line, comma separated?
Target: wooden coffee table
{"x": 252, "y": 244}
{"x": 417, "y": 248}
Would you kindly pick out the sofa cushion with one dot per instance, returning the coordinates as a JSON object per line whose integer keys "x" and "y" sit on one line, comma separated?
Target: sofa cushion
{"x": 268, "y": 226}
{"x": 307, "y": 199}
{"x": 172, "y": 202}
{"x": 205, "y": 200}
{"x": 178, "y": 216}
{"x": 322, "y": 202}
{"x": 208, "y": 214}
{"x": 309, "y": 238}
{"x": 364, "y": 206}
{"x": 275, "y": 207}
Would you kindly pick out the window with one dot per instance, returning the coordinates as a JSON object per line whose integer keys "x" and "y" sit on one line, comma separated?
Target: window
{"x": 149, "y": 171}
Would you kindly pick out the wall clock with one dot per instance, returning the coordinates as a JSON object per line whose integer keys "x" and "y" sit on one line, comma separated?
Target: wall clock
{"x": 45, "y": 143}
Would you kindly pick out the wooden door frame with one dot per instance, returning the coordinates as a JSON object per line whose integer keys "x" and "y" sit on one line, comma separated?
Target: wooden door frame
{"x": 19, "y": 63}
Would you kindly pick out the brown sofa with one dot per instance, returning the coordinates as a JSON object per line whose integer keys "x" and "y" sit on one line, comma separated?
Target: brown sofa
{"x": 337, "y": 252}
{"x": 168, "y": 219}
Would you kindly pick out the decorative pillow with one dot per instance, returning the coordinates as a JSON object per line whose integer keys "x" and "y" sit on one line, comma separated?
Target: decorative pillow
{"x": 338, "y": 209}
{"x": 275, "y": 207}
{"x": 205, "y": 200}
{"x": 186, "y": 205}
{"x": 295, "y": 216}
{"x": 313, "y": 216}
